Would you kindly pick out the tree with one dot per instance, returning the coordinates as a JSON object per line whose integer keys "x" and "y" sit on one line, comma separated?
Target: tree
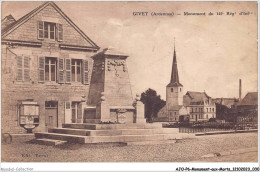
{"x": 153, "y": 103}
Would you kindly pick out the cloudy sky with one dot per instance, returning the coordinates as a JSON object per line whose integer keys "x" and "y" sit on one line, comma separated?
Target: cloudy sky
{"x": 213, "y": 52}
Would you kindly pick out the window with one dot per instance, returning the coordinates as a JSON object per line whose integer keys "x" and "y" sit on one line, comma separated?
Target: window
{"x": 180, "y": 89}
{"x": 23, "y": 68}
{"x": 212, "y": 109}
{"x": 63, "y": 70}
{"x": 175, "y": 113}
{"x": 171, "y": 89}
{"x": 48, "y": 30}
{"x": 207, "y": 116}
{"x": 207, "y": 109}
{"x": 50, "y": 69}
{"x": 76, "y": 70}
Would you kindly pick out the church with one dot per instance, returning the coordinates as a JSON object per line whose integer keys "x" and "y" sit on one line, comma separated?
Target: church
{"x": 193, "y": 106}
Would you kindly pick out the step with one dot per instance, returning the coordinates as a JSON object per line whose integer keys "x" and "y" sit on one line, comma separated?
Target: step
{"x": 112, "y": 132}
{"x": 58, "y": 136}
{"x": 49, "y": 142}
{"x": 102, "y": 139}
{"x": 112, "y": 126}
{"x": 83, "y": 132}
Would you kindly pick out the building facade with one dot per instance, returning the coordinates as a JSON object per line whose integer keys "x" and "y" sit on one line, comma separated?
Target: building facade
{"x": 200, "y": 106}
{"x": 46, "y": 70}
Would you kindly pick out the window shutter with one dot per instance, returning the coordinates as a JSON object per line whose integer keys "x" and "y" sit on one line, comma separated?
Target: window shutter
{"x": 68, "y": 70}
{"x": 61, "y": 70}
{"x": 60, "y": 32}
{"x": 41, "y": 65}
{"x": 85, "y": 72}
{"x": 40, "y": 29}
{"x": 19, "y": 68}
{"x": 26, "y": 68}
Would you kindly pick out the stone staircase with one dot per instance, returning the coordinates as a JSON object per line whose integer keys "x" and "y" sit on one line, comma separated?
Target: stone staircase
{"x": 129, "y": 134}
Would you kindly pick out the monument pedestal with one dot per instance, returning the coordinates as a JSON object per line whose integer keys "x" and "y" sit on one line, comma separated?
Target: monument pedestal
{"x": 110, "y": 81}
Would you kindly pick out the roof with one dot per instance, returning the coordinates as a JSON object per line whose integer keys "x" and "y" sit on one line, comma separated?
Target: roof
{"x": 7, "y": 30}
{"x": 195, "y": 98}
{"x": 109, "y": 51}
{"x": 175, "y": 107}
{"x": 251, "y": 98}
{"x": 174, "y": 75}
{"x": 228, "y": 102}
{"x": 7, "y": 21}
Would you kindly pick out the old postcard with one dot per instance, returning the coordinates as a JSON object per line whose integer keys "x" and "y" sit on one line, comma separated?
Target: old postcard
{"x": 129, "y": 82}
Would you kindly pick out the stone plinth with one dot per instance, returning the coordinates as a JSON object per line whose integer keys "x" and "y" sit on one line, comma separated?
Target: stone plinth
{"x": 110, "y": 76}
{"x": 139, "y": 108}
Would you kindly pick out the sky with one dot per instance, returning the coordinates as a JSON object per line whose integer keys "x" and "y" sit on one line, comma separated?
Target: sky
{"x": 213, "y": 52}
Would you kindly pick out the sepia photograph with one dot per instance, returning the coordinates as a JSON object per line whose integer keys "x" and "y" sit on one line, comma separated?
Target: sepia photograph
{"x": 129, "y": 81}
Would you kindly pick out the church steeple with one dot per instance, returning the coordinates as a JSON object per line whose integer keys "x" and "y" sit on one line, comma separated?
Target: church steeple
{"x": 174, "y": 75}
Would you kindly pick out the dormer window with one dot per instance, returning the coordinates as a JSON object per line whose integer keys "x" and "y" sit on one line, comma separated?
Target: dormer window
{"x": 49, "y": 30}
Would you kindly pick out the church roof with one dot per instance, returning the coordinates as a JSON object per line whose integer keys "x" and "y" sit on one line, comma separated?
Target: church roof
{"x": 174, "y": 74}
{"x": 251, "y": 98}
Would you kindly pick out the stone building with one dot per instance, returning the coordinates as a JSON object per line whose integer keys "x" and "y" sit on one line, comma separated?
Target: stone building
{"x": 193, "y": 106}
{"x": 46, "y": 70}
{"x": 225, "y": 108}
{"x": 200, "y": 106}
{"x": 247, "y": 108}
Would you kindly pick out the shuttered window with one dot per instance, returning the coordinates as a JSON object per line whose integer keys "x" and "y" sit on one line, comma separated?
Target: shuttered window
{"x": 19, "y": 68}
{"x": 61, "y": 70}
{"x": 60, "y": 32}
{"x": 23, "y": 68}
{"x": 68, "y": 70}
{"x": 40, "y": 29}
{"x": 49, "y": 30}
{"x": 26, "y": 69}
{"x": 85, "y": 72}
{"x": 41, "y": 65}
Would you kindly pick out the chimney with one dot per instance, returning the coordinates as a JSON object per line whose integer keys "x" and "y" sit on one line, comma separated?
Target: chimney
{"x": 240, "y": 89}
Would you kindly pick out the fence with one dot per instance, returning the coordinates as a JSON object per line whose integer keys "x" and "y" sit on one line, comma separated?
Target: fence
{"x": 205, "y": 126}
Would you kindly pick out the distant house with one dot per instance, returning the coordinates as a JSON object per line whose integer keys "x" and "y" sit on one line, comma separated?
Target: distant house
{"x": 247, "y": 109}
{"x": 225, "y": 108}
{"x": 200, "y": 106}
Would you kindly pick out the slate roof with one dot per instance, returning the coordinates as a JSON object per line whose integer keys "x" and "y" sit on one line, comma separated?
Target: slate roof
{"x": 174, "y": 76}
{"x": 175, "y": 107}
{"x": 251, "y": 98}
{"x": 9, "y": 28}
{"x": 194, "y": 98}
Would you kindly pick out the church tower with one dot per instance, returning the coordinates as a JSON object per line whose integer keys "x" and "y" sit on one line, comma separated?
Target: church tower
{"x": 174, "y": 90}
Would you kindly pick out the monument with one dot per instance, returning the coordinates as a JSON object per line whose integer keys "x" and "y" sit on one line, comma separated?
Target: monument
{"x": 110, "y": 91}
{"x": 110, "y": 113}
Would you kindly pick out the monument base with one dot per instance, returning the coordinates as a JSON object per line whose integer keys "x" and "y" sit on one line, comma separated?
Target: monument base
{"x": 134, "y": 133}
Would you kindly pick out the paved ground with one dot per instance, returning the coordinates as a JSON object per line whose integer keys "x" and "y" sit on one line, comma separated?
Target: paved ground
{"x": 21, "y": 150}
{"x": 240, "y": 157}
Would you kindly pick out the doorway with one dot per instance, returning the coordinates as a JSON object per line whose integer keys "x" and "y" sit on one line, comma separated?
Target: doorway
{"x": 51, "y": 114}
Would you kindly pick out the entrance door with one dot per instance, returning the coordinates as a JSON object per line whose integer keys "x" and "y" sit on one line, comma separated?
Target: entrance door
{"x": 75, "y": 110}
{"x": 51, "y": 114}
